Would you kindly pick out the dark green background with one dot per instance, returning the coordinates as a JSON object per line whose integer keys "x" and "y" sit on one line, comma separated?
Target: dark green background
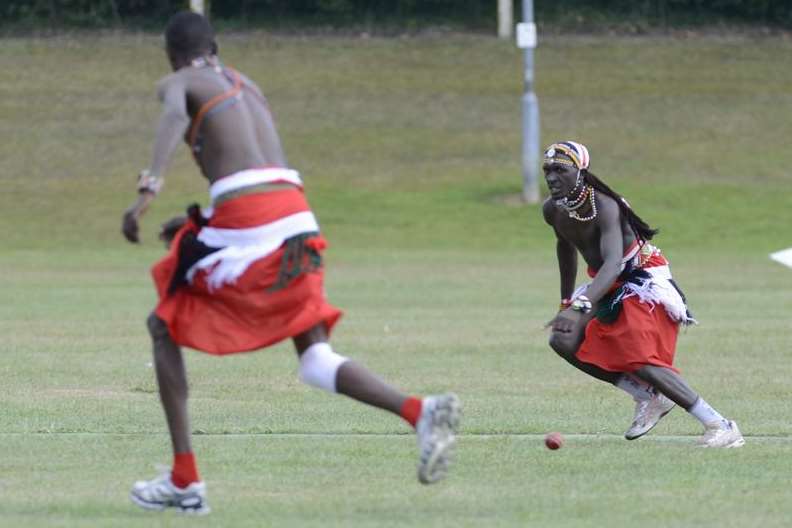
{"x": 403, "y": 14}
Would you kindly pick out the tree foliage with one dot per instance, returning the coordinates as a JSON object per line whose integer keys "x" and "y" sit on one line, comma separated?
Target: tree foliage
{"x": 107, "y": 12}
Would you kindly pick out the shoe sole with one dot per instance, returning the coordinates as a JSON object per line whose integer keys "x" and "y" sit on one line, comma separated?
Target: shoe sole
{"x": 653, "y": 425}
{"x": 435, "y": 468}
{"x": 446, "y": 420}
{"x": 151, "y": 506}
{"x": 734, "y": 444}
{"x": 155, "y": 506}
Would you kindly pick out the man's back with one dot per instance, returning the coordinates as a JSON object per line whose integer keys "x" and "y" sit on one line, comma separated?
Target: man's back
{"x": 232, "y": 128}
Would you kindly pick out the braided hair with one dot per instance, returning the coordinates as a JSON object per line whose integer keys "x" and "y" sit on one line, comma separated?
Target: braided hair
{"x": 641, "y": 229}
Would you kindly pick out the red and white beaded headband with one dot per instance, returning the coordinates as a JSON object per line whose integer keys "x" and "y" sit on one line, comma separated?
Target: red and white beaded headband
{"x": 577, "y": 152}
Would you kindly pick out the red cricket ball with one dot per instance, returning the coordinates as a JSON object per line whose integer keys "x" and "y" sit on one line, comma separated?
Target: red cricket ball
{"x": 554, "y": 441}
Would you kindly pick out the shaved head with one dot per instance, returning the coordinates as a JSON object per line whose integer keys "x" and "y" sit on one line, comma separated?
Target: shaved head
{"x": 189, "y": 35}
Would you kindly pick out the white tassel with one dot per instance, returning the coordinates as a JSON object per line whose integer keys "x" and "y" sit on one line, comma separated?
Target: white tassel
{"x": 242, "y": 247}
{"x": 659, "y": 290}
{"x": 653, "y": 291}
{"x": 228, "y": 264}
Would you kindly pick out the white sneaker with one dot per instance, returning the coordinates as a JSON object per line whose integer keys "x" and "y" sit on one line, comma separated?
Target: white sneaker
{"x": 160, "y": 493}
{"x": 436, "y": 429}
{"x": 647, "y": 414}
{"x": 716, "y": 434}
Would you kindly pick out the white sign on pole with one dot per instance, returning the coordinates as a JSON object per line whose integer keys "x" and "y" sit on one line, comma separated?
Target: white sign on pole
{"x": 526, "y": 35}
{"x": 783, "y": 257}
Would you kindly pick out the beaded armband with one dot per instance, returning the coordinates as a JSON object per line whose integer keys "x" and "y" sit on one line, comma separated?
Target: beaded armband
{"x": 149, "y": 183}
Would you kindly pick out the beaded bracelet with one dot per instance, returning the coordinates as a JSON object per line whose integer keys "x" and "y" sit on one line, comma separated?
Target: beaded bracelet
{"x": 581, "y": 304}
{"x": 149, "y": 183}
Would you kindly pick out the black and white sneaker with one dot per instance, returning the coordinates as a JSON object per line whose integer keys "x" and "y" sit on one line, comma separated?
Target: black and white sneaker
{"x": 436, "y": 428}
{"x": 160, "y": 494}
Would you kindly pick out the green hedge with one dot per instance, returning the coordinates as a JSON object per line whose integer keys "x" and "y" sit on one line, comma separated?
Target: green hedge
{"x": 480, "y": 12}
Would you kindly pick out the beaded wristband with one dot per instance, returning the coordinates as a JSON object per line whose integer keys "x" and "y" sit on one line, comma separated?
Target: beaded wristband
{"x": 149, "y": 183}
{"x": 581, "y": 304}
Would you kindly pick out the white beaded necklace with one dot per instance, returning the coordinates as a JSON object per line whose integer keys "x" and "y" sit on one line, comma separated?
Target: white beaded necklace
{"x": 203, "y": 62}
{"x": 589, "y": 193}
{"x": 571, "y": 206}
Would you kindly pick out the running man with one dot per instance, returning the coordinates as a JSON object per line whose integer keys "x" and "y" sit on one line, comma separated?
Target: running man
{"x": 622, "y": 327}
{"x": 245, "y": 273}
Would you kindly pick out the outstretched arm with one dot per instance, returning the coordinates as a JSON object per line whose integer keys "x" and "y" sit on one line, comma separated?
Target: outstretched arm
{"x": 565, "y": 320}
{"x": 566, "y": 253}
{"x": 172, "y": 125}
{"x": 567, "y": 266}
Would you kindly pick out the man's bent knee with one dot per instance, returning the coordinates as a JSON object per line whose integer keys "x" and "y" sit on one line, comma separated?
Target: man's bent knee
{"x": 312, "y": 336}
{"x": 319, "y": 366}
{"x": 156, "y": 327}
{"x": 649, "y": 373}
{"x": 656, "y": 375}
{"x": 563, "y": 345}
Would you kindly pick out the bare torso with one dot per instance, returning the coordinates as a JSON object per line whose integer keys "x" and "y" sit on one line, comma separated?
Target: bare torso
{"x": 236, "y": 134}
{"x": 585, "y": 236}
{"x": 240, "y": 135}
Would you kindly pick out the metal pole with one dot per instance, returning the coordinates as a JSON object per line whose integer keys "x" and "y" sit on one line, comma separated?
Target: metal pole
{"x": 526, "y": 39}
{"x": 505, "y": 18}
{"x": 197, "y": 6}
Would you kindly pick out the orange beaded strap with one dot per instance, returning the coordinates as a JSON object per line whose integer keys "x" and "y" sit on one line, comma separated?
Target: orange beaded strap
{"x": 215, "y": 104}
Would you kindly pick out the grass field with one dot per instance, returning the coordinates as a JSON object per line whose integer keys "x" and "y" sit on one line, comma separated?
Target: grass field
{"x": 410, "y": 150}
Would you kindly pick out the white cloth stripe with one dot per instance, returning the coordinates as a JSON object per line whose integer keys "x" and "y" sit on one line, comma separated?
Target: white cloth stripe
{"x": 249, "y": 177}
{"x": 281, "y": 229}
{"x": 242, "y": 247}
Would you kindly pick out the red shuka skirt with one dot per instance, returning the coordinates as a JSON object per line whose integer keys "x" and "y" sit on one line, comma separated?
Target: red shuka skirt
{"x": 252, "y": 312}
{"x": 643, "y": 334}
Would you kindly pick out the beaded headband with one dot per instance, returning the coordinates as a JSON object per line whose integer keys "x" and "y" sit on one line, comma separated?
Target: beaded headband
{"x": 576, "y": 152}
{"x": 582, "y": 192}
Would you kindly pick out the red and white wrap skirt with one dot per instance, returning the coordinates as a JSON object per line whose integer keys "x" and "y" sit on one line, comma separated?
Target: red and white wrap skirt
{"x": 221, "y": 286}
{"x": 642, "y": 335}
{"x": 646, "y": 330}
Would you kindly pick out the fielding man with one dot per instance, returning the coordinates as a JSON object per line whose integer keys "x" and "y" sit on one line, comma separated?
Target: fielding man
{"x": 245, "y": 273}
{"x": 622, "y": 327}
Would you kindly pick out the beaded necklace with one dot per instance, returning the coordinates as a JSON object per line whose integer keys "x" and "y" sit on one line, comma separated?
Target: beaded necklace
{"x": 571, "y": 206}
{"x": 579, "y": 200}
{"x": 203, "y": 62}
{"x": 589, "y": 193}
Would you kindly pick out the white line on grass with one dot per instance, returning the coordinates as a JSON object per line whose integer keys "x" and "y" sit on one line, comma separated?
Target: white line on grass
{"x": 483, "y": 436}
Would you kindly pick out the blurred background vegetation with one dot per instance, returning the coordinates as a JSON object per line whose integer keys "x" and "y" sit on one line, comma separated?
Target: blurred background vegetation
{"x": 402, "y": 15}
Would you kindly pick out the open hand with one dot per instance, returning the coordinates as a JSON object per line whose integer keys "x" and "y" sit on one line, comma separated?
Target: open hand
{"x": 565, "y": 321}
{"x": 129, "y": 226}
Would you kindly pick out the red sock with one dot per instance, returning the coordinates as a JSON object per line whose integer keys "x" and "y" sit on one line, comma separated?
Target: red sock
{"x": 184, "y": 471}
{"x": 411, "y": 410}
